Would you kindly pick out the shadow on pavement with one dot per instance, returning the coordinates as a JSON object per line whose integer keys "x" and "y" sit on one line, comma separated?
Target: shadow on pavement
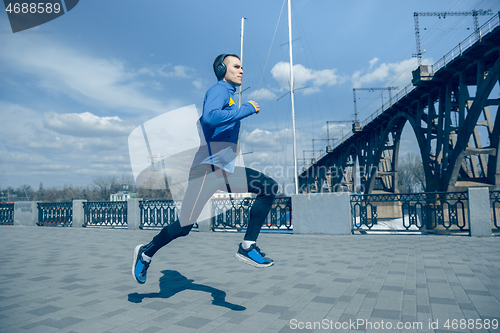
{"x": 173, "y": 282}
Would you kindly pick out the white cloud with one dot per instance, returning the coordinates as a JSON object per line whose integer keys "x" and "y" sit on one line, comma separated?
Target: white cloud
{"x": 85, "y": 78}
{"x": 394, "y": 74}
{"x": 198, "y": 84}
{"x": 20, "y": 158}
{"x": 262, "y": 94}
{"x": 17, "y": 122}
{"x": 86, "y": 125}
{"x": 146, "y": 71}
{"x": 305, "y": 77}
{"x": 178, "y": 71}
{"x": 269, "y": 148}
{"x": 157, "y": 85}
{"x": 172, "y": 72}
{"x": 272, "y": 153}
{"x": 311, "y": 90}
{"x": 265, "y": 146}
{"x": 373, "y": 62}
{"x": 335, "y": 131}
{"x": 266, "y": 139}
{"x": 379, "y": 74}
{"x": 42, "y": 145}
{"x": 52, "y": 147}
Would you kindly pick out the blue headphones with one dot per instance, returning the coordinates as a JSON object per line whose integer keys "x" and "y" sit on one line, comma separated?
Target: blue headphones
{"x": 219, "y": 66}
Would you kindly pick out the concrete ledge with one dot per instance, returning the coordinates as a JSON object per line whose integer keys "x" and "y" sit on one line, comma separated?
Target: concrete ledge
{"x": 26, "y": 213}
{"x": 321, "y": 213}
{"x": 479, "y": 212}
{"x": 78, "y": 213}
{"x": 133, "y": 213}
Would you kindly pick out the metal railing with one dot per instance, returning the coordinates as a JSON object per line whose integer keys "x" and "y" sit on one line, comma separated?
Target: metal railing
{"x": 158, "y": 213}
{"x": 55, "y": 214}
{"x": 111, "y": 214}
{"x": 411, "y": 212}
{"x": 495, "y": 210}
{"x": 6, "y": 213}
{"x": 235, "y": 214}
{"x": 467, "y": 42}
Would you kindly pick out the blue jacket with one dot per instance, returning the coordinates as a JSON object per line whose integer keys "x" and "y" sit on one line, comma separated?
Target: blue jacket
{"x": 219, "y": 127}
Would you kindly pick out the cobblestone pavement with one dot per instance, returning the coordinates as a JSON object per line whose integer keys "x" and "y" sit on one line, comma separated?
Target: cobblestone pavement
{"x": 79, "y": 280}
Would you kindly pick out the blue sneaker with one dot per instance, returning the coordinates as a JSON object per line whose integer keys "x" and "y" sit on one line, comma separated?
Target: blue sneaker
{"x": 253, "y": 256}
{"x": 140, "y": 267}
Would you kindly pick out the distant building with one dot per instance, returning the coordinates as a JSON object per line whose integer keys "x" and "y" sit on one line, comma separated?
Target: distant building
{"x": 123, "y": 195}
{"x": 7, "y": 197}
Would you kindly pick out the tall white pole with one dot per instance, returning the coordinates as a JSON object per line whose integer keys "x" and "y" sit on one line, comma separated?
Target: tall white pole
{"x": 241, "y": 54}
{"x": 292, "y": 95}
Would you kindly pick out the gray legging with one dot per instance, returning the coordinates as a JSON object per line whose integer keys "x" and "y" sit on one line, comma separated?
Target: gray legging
{"x": 204, "y": 181}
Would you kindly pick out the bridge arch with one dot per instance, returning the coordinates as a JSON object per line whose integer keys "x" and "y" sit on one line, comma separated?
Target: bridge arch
{"x": 349, "y": 166}
{"x": 448, "y": 107}
{"x": 383, "y": 164}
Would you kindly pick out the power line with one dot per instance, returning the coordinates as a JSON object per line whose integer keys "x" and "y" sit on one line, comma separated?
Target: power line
{"x": 474, "y": 14}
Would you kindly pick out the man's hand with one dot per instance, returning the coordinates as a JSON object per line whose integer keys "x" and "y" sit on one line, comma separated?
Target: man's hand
{"x": 257, "y": 107}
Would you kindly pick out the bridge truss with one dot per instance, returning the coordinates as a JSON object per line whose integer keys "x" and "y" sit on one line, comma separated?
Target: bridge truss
{"x": 454, "y": 115}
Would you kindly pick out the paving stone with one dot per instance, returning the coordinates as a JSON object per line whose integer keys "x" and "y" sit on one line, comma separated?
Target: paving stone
{"x": 45, "y": 310}
{"x": 196, "y": 285}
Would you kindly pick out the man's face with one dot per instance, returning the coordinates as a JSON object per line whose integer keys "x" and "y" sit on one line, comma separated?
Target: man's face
{"x": 234, "y": 71}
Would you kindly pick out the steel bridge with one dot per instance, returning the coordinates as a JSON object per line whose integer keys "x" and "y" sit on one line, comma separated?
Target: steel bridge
{"x": 449, "y": 106}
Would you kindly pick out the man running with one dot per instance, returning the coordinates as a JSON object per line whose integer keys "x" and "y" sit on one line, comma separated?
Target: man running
{"x": 214, "y": 169}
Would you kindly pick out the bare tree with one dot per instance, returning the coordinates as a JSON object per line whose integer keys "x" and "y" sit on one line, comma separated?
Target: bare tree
{"x": 411, "y": 177}
{"x": 24, "y": 192}
{"x": 104, "y": 186}
{"x": 40, "y": 193}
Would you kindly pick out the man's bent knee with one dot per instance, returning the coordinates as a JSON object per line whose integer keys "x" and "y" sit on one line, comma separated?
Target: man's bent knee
{"x": 175, "y": 230}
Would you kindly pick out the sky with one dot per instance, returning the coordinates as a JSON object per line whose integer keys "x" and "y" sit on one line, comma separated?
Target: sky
{"x": 73, "y": 89}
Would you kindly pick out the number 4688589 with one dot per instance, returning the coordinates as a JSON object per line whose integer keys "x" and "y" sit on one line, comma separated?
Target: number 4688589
{"x": 33, "y": 8}
{"x": 471, "y": 324}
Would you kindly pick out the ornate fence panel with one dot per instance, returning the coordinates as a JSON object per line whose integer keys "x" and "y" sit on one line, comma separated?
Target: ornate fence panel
{"x": 55, "y": 214}
{"x": 111, "y": 214}
{"x": 411, "y": 212}
{"x": 495, "y": 210}
{"x": 235, "y": 214}
{"x": 6, "y": 213}
{"x": 157, "y": 214}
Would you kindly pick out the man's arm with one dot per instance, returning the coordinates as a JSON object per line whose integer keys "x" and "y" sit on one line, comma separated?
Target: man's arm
{"x": 214, "y": 115}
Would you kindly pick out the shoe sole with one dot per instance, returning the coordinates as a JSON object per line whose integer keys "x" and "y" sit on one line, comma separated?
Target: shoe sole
{"x": 136, "y": 254}
{"x": 251, "y": 262}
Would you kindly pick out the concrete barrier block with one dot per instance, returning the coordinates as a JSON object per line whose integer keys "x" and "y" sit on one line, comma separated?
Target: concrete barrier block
{"x": 133, "y": 213}
{"x": 78, "y": 213}
{"x": 479, "y": 212}
{"x": 321, "y": 213}
{"x": 26, "y": 213}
